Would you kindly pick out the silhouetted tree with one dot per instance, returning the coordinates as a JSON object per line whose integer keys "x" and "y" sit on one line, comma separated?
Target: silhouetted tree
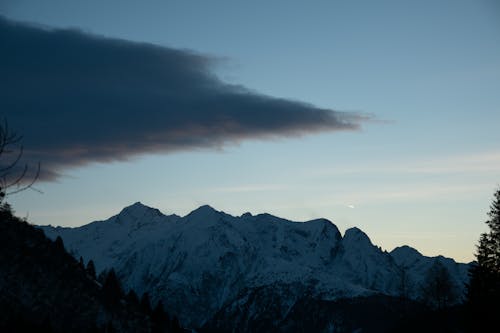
{"x": 59, "y": 243}
{"x": 146, "y": 303}
{"x": 438, "y": 289}
{"x": 102, "y": 276}
{"x": 175, "y": 325}
{"x": 159, "y": 318}
{"x": 494, "y": 234}
{"x": 112, "y": 290}
{"x": 132, "y": 297}
{"x": 80, "y": 263}
{"x": 483, "y": 289}
{"x": 404, "y": 290}
{"x": 91, "y": 269}
{"x": 403, "y": 282}
{"x": 13, "y": 176}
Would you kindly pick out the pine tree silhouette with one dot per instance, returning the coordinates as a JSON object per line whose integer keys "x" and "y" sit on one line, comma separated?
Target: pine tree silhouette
{"x": 132, "y": 297}
{"x": 438, "y": 289}
{"x": 146, "y": 303}
{"x": 483, "y": 290}
{"x": 59, "y": 244}
{"x": 112, "y": 290}
{"x": 91, "y": 269}
{"x": 175, "y": 325}
{"x": 159, "y": 318}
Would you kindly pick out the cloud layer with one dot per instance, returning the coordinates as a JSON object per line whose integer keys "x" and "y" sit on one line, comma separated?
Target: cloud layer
{"x": 79, "y": 98}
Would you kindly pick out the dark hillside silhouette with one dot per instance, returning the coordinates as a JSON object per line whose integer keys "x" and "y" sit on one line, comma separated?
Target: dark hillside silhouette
{"x": 44, "y": 289}
{"x": 41, "y": 285}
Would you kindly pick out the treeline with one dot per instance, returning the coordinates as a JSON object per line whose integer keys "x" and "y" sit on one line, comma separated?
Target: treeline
{"x": 113, "y": 294}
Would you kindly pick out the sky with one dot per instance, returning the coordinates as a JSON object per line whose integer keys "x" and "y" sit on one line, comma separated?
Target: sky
{"x": 382, "y": 115}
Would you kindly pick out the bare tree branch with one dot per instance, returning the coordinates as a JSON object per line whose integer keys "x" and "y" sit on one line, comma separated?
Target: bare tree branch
{"x": 4, "y": 170}
{"x": 14, "y": 178}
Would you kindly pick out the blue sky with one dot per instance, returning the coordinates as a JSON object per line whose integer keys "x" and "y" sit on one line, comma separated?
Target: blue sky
{"x": 421, "y": 172}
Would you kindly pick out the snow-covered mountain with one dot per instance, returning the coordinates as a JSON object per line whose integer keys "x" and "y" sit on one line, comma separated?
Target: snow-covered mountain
{"x": 208, "y": 260}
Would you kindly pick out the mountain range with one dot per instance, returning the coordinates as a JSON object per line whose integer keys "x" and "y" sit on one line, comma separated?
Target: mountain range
{"x": 208, "y": 267}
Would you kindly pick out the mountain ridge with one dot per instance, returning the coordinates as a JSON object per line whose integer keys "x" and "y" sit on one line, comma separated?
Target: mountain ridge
{"x": 201, "y": 262}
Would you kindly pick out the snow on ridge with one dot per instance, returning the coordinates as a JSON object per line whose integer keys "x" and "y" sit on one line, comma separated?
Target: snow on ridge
{"x": 203, "y": 260}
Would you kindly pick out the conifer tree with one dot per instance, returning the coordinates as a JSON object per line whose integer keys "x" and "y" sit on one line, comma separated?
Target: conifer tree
{"x": 159, "y": 318}
{"x": 91, "y": 269}
{"x": 102, "y": 276}
{"x": 483, "y": 290}
{"x": 159, "y": 312}
{"x": 146, "y": 303}
{"x": 438, "y": 288}
{"x": 494, "y": 233}
{"x": 59, "y": 243}
{"x": 111, "y": 288}
{"x": 176, "y": 326}
{"x": 132, "y": 297}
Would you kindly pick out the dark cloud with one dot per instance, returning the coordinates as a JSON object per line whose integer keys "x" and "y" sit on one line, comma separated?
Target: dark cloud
{"x": 79, "y": 98}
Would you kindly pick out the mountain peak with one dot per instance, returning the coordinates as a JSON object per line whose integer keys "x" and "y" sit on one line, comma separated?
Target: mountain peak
{"x": 137, "y": 204}
{"x": 406, "y": 249}
{"x": 405, "y": 254}
{"x": 355, "y": 232}
{"x": 135, "y": 207}
{"x": 203, "y": 212}
{"x": 356, "y": 236}
{"x": 137, "y": 210}
{"x": 205, "y": 208}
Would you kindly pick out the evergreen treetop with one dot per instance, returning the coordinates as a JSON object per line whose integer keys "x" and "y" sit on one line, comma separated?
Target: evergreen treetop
{"x": 111, "y": 288}
{"x": 493, "y": 237}
{"x": 146, "y": 303}
{"x": 91, "y": 269}
{"x": 483, "y": 289}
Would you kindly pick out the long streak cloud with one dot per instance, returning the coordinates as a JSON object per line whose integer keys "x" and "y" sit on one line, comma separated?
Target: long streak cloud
{"x": 78, "y": 98}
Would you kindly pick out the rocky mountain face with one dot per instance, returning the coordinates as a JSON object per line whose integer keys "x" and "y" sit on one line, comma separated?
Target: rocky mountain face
{"x": 209, "y": 266}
